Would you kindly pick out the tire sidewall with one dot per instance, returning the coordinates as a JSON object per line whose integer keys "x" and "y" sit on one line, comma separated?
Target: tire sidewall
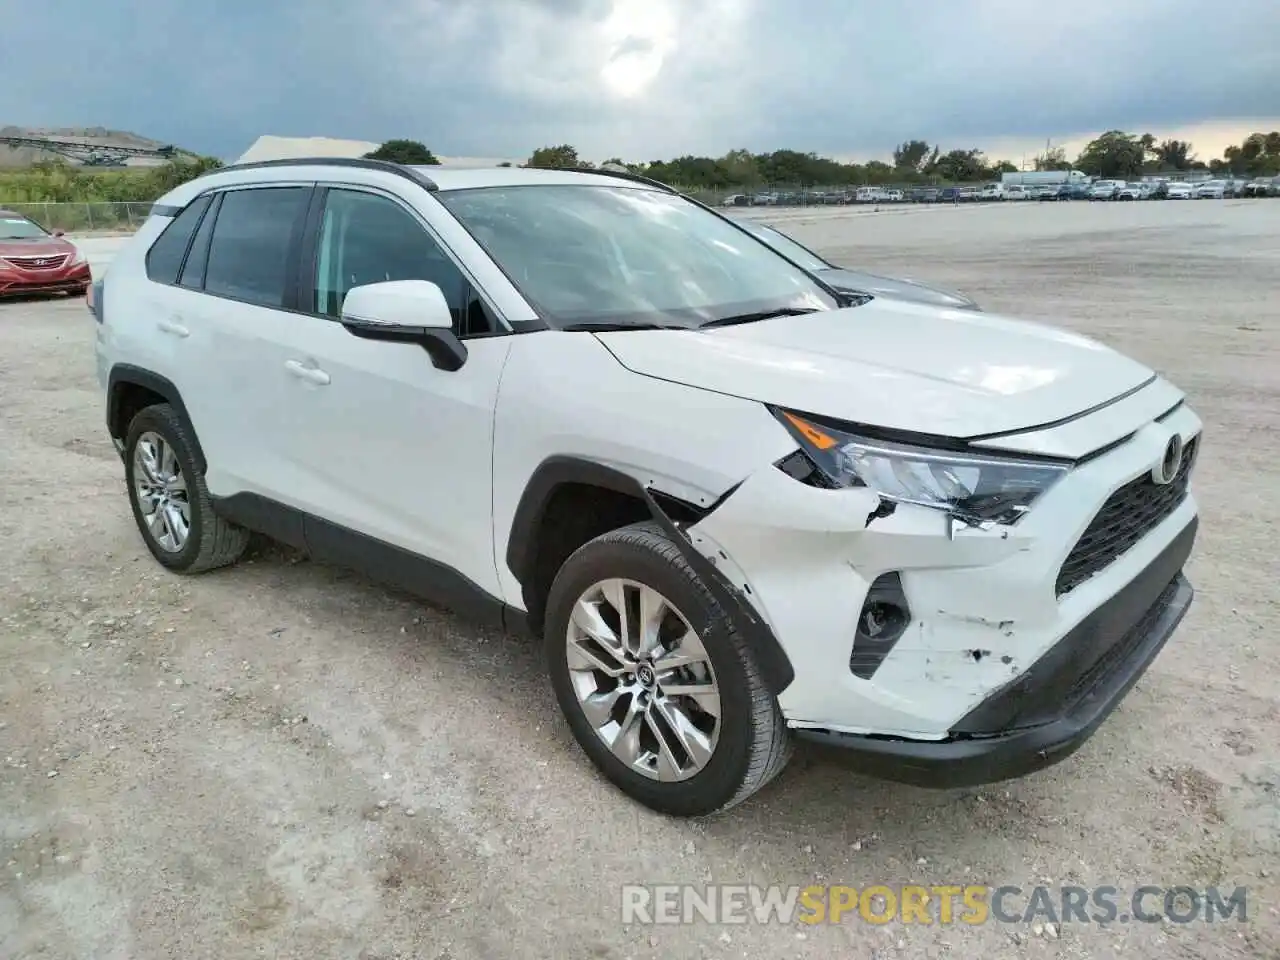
{"x": 159, "y": 420}
{"x": 717, "y": 783}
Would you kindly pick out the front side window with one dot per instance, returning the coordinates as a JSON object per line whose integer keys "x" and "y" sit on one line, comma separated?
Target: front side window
{"x": 365, "y": 238}
{"x": 20, "y": 228}
{"x": 622, "y": 256}
{"x": 249, "y": 250}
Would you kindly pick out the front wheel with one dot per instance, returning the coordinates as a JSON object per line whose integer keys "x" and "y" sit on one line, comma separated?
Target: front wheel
{"x": 655, "y": 680}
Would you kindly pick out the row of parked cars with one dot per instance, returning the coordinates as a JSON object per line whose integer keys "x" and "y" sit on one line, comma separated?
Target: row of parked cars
{"x": 1083, "y": 190}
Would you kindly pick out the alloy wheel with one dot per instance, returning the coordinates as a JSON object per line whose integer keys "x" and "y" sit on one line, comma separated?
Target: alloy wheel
{"x": 643, "y": 679}
{"x": 161, "y": 492}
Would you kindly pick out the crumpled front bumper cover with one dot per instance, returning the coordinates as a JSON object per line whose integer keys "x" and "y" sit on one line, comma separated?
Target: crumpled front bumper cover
{"x": 1138, "y": 621}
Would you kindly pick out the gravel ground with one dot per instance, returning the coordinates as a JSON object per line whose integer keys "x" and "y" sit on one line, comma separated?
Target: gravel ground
{"x": 282, "y": 760}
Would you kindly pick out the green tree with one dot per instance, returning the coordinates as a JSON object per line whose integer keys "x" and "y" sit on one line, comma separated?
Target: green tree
{"x": 912, "y": 155}
{"x": 563, "y": 157}
{"x": 1115, "y": 155}
{"x": 1174, "y": 155}
{"x": 404, "y": 151}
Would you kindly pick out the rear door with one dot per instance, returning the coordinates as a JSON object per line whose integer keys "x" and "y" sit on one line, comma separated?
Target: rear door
{"x": 240, "y": 328}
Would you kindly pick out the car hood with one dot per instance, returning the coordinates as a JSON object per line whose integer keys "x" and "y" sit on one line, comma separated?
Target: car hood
{"x": 45, "y": 246}
{"x": 898, "y": 288}
{"x": 895, "y": 365}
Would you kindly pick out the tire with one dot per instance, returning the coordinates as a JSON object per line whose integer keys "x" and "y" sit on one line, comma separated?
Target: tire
{"x": 210, "y": 541}
{"x": 752, "y": 743}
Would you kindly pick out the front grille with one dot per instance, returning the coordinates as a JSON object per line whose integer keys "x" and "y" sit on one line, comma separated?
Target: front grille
{"x": 51, "y": 262}
{"x": 1124, "y": 519}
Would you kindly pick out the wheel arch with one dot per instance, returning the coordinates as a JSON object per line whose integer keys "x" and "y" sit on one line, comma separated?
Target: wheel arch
{"x": 538, "y": 543}
{"x": 130, "y": 389}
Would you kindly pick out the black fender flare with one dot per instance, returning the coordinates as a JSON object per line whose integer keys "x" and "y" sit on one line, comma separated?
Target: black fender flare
{"x": 126, "y": 374}
{"x": 556, "y": 471}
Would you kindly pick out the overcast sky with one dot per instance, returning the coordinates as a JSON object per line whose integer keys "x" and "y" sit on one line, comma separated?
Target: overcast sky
{"x": 645, "y": 79}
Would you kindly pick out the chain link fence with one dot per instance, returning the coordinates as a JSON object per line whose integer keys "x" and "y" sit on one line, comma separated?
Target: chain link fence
{"x": 84, "y": 217}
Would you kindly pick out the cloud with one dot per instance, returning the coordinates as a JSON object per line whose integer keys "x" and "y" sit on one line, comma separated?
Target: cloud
{"x": 642, "y": 79}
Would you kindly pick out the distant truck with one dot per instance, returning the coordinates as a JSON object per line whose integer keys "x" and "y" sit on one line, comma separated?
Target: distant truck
{"x": 1043, "y": 178}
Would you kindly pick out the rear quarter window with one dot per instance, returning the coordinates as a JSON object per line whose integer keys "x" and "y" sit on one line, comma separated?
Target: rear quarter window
{"x": 164, "y": 259}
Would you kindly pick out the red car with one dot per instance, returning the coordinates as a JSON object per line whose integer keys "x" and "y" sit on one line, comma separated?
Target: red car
{"x": 33, "y": 260}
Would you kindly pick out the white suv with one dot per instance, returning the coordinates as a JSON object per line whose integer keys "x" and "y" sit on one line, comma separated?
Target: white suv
{"x": 738, "y": 509}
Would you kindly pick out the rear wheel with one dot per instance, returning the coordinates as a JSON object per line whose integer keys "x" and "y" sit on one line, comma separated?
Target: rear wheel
{"x": 655, "y": 680}
{"x": 170, "y": 501}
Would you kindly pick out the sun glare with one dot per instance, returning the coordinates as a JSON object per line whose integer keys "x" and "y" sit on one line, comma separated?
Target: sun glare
{"x": 638, "y": 35}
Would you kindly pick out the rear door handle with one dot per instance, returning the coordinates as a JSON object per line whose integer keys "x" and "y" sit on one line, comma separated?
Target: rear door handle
{"x": 177, "y": 329}
{"x": 303, "y": 372}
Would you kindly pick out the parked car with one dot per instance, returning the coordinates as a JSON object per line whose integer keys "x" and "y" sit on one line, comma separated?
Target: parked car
{"x": 1157, "y": 191}
{"x": 736, "y": 200}
{"x": 1105, "y": 189}
{"x": 1133, "y": 191}
{"x": 993, "y": 191}
{"x": 855, "y": 282}
{"x": 1210, "y": 190}
{"x": 1257, "y": 187}
{"x": 773, "y": 517}
{"x": 1017, "y": 191}
{"x": 949, "y": 195}
{"x": 1053, "y": 192}
{"x": 894, "y": 196}
{"x": 34, "y": 260}
{"x": 1178, "y": 190}
{"x": 968, "y": 194}
{"x": 923, "y": 195}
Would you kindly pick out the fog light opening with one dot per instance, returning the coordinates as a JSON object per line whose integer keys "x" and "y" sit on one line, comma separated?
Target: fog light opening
{"x": 883, "y": 620}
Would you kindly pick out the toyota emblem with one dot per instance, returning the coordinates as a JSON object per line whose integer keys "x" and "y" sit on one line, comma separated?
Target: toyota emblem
{"x": 1164, "y": 472}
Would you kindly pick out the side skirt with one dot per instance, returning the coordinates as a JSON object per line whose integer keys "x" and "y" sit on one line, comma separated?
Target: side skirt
{"x": 383, "y": 562}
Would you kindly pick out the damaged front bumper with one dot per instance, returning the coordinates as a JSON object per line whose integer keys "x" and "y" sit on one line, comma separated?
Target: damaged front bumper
{"x": 1131, "y": 629}
{"x": 999, "y": 671}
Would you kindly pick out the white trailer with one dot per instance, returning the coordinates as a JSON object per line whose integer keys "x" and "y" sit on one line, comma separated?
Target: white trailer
{"x": 1043, "y": 178}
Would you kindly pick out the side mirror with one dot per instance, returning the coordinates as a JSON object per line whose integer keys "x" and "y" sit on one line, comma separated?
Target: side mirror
{"x": 405, "y": 311}
{"x": 59, "y": 233}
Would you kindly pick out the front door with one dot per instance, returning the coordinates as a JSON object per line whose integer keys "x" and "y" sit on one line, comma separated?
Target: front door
{"x": 391, "y": 446}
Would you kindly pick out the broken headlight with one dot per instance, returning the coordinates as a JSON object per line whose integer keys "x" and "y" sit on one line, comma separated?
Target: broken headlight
{"x": 973, "y": 487}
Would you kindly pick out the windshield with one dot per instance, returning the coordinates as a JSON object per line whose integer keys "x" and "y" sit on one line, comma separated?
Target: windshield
{"x": 19, "y": 228}
{"x": 786, "y": 246}
{"x": 619, "y": 256}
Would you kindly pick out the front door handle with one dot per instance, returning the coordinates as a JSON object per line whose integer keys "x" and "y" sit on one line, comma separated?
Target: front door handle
{"x": 304, "y": 372}
{"x": 170, "y": 326}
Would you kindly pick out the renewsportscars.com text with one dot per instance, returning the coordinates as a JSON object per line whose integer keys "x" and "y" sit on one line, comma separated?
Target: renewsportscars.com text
{"x": 937, "y": 904}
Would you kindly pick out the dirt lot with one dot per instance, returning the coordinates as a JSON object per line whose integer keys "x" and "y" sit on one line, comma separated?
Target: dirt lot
{"x": 281, "y": 760}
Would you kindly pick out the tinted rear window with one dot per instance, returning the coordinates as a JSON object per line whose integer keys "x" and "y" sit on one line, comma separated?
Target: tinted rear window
{"x": 249, "y": 254}
{"x": 164, "y": 259}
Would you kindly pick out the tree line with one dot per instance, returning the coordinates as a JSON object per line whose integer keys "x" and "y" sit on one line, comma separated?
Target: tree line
{"x": 1113, "y": 155}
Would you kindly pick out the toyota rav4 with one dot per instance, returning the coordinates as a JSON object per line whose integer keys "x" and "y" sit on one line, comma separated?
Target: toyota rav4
{"x": 738, "y": 507}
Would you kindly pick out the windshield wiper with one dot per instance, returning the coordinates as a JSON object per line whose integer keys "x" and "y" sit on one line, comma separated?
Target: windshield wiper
{"x": 611, "y": 327}
{"x": 753, "y": 317}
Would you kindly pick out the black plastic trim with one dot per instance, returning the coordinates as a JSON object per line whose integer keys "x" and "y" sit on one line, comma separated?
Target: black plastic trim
{"x": 974, "y": 761}
{"x": 364, "y": 163}
{"x": 125, "y": 373}
{"x": 386, "y": 563}
{"x": 556, "y": 471}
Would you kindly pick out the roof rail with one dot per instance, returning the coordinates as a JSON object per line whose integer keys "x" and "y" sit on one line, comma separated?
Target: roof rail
{"x": 399, "y": 169}
{"x": 628, "y": 175}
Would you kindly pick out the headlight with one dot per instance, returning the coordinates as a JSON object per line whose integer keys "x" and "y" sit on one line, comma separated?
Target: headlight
{"x": 78, "y": 258}
{"x": 971, "y": 487}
